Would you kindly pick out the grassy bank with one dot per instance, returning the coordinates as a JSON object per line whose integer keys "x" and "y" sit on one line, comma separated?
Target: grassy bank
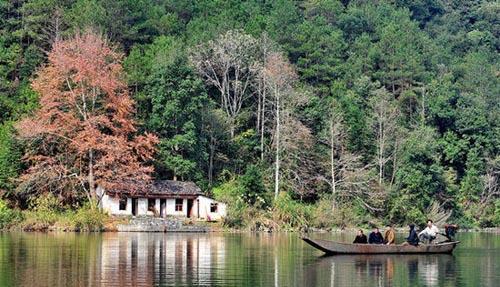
{"x": 47, "y": 214}
{"x": 286, "y": 214}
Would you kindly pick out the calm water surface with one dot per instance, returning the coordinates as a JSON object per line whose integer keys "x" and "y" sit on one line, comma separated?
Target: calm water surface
{"x": 148, "y": 259}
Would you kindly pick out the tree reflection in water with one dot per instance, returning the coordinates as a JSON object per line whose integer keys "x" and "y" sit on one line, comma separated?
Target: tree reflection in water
{"x": 218, "y": 259}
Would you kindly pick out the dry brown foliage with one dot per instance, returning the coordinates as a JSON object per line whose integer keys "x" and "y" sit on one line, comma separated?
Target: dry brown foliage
{"x": 83, "y": 134}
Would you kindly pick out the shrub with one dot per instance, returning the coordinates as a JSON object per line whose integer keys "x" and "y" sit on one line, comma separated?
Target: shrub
{"x": 245, "y": 198}
{"x": 47, "y": 212}
{"x": 290, "y": 213}
{"x": 228, "y": 192}
{"x": 464, "y": 219}
{"x": 235, "y": 214}
{"x": 322, "y": 214}
{"x": 88, "y": 219}
{"x": 342, "y": 216}
{"x": 43, "y": 212}
{"x": 46, "y": 203}
{"x": 491, "y": 215}
{"x": 258, "y": 219}
{"x": 253, "y": 188}
{"x": 8, "y": 216}
{"x": 403, "y": 210}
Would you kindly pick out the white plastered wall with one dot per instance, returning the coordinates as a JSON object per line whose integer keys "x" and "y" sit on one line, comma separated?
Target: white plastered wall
{"x": 205, "y": 203}
{"x": 111, "y": 205}
{"x": 171, "y": 208}
{"x": 142, "y": 206}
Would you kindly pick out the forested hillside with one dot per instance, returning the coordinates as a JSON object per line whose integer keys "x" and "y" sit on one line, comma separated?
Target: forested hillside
{"x": 297, "y": 113}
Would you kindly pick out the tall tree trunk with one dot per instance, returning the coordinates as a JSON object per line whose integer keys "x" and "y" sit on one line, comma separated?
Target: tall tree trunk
{"x": 380, "y": 151}
{"x": 394, "y": 161}
{"x": 91, "y": 179}
{"x": 232, "y": 123}
{"x": 277, "y": 160}
{"x": 422, "y": 113}
{"x": 262, "y": 123}
{"x": 211, "y": 161}
{"x": 332, "y": 151}
{"x": 259, "y": 106}
{"x": 176, "y": 151}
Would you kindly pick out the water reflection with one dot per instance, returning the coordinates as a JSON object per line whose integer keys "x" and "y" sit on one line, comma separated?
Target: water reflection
{"x": 149, "y": 259}
{"x": 380, "y": 270}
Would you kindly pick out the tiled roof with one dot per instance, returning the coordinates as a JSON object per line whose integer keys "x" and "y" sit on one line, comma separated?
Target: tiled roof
{"x": 174, "y": 187}
{"x": 165, "y": 188}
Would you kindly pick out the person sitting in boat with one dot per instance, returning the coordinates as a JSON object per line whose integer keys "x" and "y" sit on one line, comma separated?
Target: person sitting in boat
{"x": 429, "y": 233}
{"x": 375, "y": 237}
{"x": 360, "y": 238}
{"x": 390, "y": 235}
{"x": 449, "y": 232}
{"x": 412, "y": 238}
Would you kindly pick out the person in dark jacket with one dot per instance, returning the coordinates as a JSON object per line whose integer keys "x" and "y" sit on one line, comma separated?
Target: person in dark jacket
{"x": 412, "y": 237}
{"x": 360, "y": 238}
{"x": 450, "y": 230}
{"x": 375, "y": 237}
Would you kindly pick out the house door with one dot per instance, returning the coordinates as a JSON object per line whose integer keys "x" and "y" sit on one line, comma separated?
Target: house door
{"x": 134, "y": 206}
{"x": 163, "y": 207}
{"x": 189, "y": 207}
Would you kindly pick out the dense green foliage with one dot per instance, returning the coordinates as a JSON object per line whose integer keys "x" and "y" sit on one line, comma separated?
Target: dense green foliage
{"x": 8, "y": 216}
{"x": 399, "y": 98}
{"x": 10, "y": 157}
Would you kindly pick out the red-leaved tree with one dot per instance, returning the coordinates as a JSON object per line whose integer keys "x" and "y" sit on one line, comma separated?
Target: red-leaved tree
{"x": 83, "y": 135}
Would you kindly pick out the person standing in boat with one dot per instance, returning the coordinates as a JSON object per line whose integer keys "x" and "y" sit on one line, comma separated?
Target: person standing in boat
{"x": 429, "y": 233}
{"x": 360, "y": 238}
{"x": 390, "y": 235}
{"x": 375, "y": 237}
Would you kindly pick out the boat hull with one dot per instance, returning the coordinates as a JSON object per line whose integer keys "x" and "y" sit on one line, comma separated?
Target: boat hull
{"x": 332, "y": 247}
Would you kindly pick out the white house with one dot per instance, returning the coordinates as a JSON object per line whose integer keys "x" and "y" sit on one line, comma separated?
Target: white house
{"x": 164, "y": 198}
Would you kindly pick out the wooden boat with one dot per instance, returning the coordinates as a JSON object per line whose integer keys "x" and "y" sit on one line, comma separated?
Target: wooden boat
{"x": 332, "y": 247}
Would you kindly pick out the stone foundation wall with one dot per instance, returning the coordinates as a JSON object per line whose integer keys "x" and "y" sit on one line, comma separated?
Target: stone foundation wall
{"x": 153, "y": 224}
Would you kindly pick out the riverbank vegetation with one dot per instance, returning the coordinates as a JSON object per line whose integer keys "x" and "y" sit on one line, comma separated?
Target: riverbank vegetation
{"x": 317, "y": 113}
{"x": 46, "y": 213}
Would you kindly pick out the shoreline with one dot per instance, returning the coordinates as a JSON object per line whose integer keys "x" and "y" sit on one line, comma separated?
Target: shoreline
{"x": 210, "y": 229}
{"x": 87, "y": 222}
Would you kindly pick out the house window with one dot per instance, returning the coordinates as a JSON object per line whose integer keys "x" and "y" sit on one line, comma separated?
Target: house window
{"x": 178, "y": 204}
{"x": 123, "y": 204}
{"x": 213, "y": 207}
{"x": 151, "y": 204}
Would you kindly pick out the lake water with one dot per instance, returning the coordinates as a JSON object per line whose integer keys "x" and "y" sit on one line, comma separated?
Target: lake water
{"x": 216, "y": 259}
